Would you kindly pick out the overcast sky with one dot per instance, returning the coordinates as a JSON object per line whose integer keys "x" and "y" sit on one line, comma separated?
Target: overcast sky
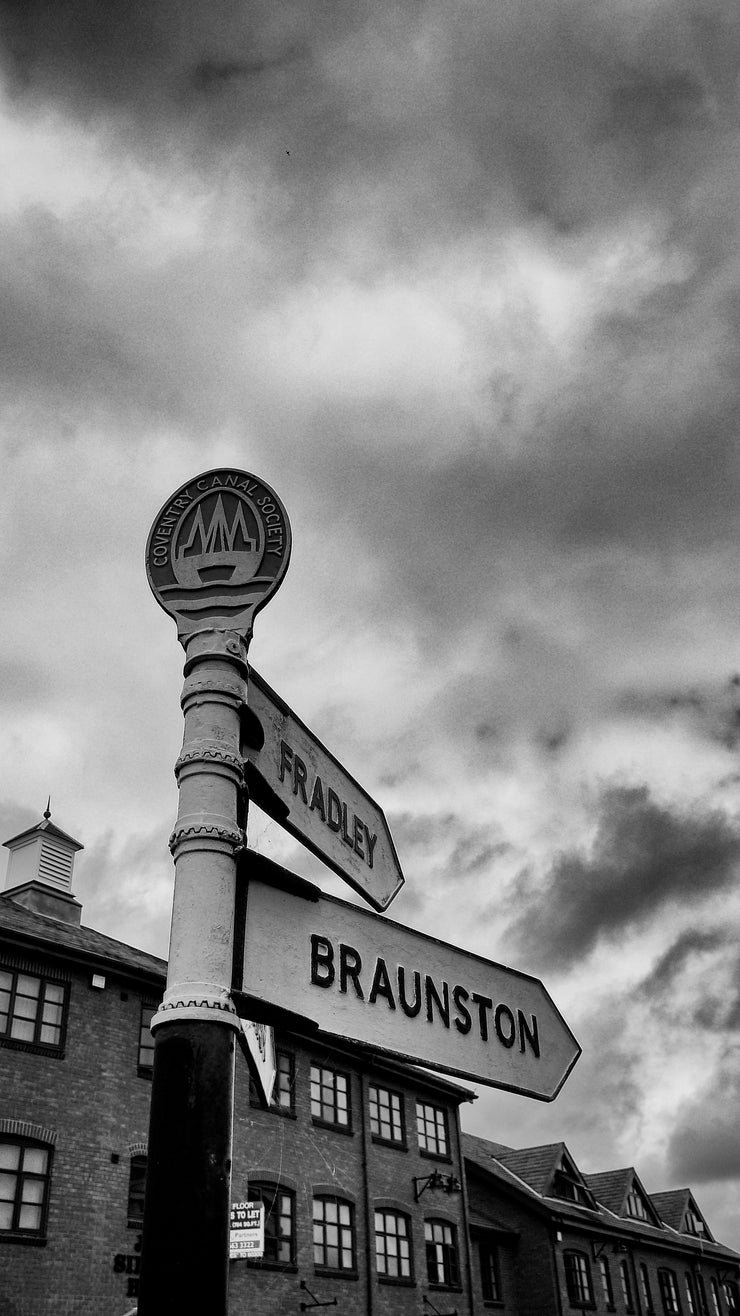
{"x": 462, "y": 283}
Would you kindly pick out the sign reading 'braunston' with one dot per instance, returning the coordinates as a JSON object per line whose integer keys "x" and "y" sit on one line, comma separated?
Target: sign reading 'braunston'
{"x": 217, "y": 551}
{"x": 402, "y": 993}
{"x": 316, "y": 799}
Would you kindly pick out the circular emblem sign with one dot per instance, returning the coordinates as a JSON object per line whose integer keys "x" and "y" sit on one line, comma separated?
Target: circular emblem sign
{"x": 217, "y": 551}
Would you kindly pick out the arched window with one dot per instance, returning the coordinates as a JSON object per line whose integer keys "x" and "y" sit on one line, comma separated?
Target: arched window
{"x": 624, "y": 1275}
{"x": 606, "y": 1283}
{"x": 136, "y": 1189}
{"x": 647, "y": 1295}
{"x": 279, "y": 1204}
{"x": 25, "y": 1177}
{"x": 393, "y": 1244}
{"x": 333, "y": 1233}
{"x": 442, "y": 1256}
{"x": 669, "y": 1293}
{"x": 578, "y": 1279}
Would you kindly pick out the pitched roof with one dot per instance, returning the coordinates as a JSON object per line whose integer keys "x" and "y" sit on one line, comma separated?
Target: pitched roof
{"x": 673, "y": 1207}
{"x": 73, "y": 942}
{"x": 524, "y": 1172}
{"x": 46, "y": 825}
{"x": 612, "y": 1189}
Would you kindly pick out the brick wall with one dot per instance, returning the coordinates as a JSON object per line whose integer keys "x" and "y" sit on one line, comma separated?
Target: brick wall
{"x": 95, "y": 1103}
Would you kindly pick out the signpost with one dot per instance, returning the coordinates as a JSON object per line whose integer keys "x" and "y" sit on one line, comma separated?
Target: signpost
{"x": 216, "y": 553}
{"x": 356, "y": 975}
{"x": 303, "y": 786}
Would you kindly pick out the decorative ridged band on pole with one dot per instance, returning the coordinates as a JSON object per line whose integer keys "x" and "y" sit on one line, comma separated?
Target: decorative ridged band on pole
{"x": 215, "y": 554}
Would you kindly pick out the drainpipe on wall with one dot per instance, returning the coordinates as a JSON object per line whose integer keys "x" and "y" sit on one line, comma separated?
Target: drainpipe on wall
{"x": 466, "y": 1214}
{"x": 369, "y": 1251}
{"x": 555, "y": 1272}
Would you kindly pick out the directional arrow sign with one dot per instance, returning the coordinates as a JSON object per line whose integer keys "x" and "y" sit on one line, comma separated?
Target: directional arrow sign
{"x": 303, "y": 787}
{"x": 399, "y": 992}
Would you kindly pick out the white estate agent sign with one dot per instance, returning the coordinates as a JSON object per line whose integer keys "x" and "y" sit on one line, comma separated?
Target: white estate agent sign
{"x": 316, "y": 799}
{"x": 247, "y": 1230}
{"x": 360, "y": 976}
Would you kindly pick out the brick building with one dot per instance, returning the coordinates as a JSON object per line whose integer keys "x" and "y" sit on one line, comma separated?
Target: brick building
{"x": 372, "y": 1195}
{"x": 555, "y": 1240}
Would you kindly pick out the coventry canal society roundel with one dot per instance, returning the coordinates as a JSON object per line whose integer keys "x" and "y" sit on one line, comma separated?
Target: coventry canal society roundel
{"x": 218, "y": 550}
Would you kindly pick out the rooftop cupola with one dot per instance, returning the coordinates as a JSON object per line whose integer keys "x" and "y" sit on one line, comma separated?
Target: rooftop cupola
{"x": 40, "y": 870}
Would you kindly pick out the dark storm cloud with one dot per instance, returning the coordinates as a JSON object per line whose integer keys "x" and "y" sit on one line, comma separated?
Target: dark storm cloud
{"x": 704, "y": 1145}
{"x": 445, "y": 845}
{"x": 539, "y": 107}
{"x": 714, "y": 710}
{"x": 712, "y": 1003}
{"x": 644, "y": 857}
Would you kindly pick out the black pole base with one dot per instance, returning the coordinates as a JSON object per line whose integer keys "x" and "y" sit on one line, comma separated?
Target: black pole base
{"x": 185, "y": 1245}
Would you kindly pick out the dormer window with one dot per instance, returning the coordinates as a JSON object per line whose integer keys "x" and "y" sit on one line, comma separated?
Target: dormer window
{"x": 694, "y": 1224}
{"x": 566, "y": 1186}
{"x": 635, "y": 1205}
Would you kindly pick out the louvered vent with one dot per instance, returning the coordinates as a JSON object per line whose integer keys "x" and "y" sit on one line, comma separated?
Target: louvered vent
{"x": 55, "y": 864}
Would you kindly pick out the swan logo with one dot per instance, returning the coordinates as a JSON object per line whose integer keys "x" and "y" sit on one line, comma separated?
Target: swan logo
{"x": 218, "y": 551}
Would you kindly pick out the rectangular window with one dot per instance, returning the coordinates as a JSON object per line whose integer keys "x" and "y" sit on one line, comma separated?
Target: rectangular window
{"x": 386, "y": 1115}
{"x": 146, "y": 1041}
{"x": 490, "y": 1273}
{"x": 392, "y": 1245}
{"x": 624, "y": 1275}
{"x": 690, "y": 1298}
{"x": 136, "y": 1187}
{"x": 731, "y": 1294}
{"x": 333, "y": 1234}
{"x": 714, "y": 1289}
{"x": 330, "y": 1096}
{"x": 636, "y": 1206}
{"x": 279, "y": 1206}
{"x": 25, "y": 1169}
{"x": 578, "y": 1279}
{"x": 669, "y": 1293}
{"x": 647, "y": 1294}
{"x": 31, "y": 1009}
{"x": 283, "y": 1093}
{"x": 701, "y": 1294}
{"x": 431, "y": 1125}
{"x": 606, "y": 1282}
{"x": 441, "y": 1248}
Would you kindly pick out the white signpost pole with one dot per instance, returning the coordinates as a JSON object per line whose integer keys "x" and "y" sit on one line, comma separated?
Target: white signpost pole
{"x": 217, "y": 551}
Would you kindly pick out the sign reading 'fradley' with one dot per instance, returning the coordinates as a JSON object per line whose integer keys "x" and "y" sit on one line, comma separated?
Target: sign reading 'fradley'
{"x": 313, "y": 796}
{"x": 217, "y": 551}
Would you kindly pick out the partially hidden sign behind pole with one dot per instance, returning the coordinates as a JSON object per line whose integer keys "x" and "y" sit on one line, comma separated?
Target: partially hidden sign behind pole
{"x": 260, "y": 1042}
{"x": 247, "y": 1231}
{"x": 217, "y": 551}
{"x": 316, "y": 799}
{"x": 399, "y": 992}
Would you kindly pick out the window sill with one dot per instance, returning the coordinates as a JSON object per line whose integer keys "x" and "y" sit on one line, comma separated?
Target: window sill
{"x": 282, "y": 1111}
{"x": 443, "y": 1288}
{"x": 33, "y": 1048}
{"x": 28, "y": 1240}
{"x": 145, "y": 1071}
{"x": 284, "y": 1267}
{"x": 396, "y": 1144}
{"x": 435, "y": 1156}
{"x": 345, "y": 1129}
{"x": 327, "y": 1272}
{"x": 400, "y": 1281}
{"x": 494, "y": 1302}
